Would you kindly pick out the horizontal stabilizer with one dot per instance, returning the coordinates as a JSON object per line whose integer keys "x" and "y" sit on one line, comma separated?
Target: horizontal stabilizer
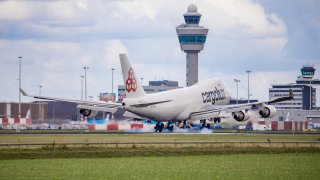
{"x": 111, "y": 109}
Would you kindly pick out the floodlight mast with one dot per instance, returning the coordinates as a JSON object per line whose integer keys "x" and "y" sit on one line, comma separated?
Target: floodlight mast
{"x": 85, "y": 81}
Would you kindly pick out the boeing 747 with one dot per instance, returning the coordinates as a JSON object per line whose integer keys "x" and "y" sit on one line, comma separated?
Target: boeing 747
{"x": 208, "y": 99}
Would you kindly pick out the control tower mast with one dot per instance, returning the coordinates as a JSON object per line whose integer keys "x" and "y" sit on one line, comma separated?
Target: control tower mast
{"x": 192, "y": 38}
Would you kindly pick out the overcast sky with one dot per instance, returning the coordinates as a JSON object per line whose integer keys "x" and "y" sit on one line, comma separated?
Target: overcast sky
{"x": 56, "y": 39}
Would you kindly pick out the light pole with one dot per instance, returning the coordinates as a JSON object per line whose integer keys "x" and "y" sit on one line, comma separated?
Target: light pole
{"x": 40, "y": 86}
{"x": 310, "y": 95}
{"x": 248, "y": 86}
{"x": 141, "y": 80}
{"x": 19, "y": 113}
{"x": 85, "y": 81}
{"x": 82, "y": 87}
{"x": 112, "y": 69}
{"x": 237, "y": 81}
{"x": 40, "y": 107}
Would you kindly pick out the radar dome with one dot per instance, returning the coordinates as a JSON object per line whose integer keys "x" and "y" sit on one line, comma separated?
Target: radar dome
{"x": 192, "y": 8}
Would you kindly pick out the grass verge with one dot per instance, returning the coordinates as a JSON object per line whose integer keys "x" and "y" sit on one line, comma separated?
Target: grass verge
{"x": 103, "y": 152}
{"x": 62, "y": 138}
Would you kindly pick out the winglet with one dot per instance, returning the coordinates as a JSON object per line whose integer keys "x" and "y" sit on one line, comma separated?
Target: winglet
{"x": 290, "y": 93}
{"x": 283, "y": 98}
{"x": 23, "y": 93}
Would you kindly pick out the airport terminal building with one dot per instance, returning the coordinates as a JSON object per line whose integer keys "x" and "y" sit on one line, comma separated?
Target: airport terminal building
{"x": 301, "y": 109}
{"x": 304, "y": 90}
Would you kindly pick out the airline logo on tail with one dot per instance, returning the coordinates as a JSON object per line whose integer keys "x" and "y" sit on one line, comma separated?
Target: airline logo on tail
{"x": 131, "y": 82}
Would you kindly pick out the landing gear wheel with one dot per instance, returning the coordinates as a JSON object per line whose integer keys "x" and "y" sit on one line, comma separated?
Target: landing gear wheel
{"x": 217, "y": 120}
{"x": 161, "y": 127}
{"x": 184, "y": 123}
{"x": 204, "y": 123}
{"x": 170, "y": 125}
{"x": 157, "y": 127}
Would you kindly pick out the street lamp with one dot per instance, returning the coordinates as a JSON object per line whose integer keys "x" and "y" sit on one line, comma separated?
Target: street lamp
{"x": 40, "y": 86}
{"x": 82, "y": 87}
{"x": 112, "y": 69}
{"x": 248, "y": 86}
{"x": 237, "y": 81}
{"x": 19, "y": 114}
{"x": 40, "y": 104}
{"x": 310, "y": 95}
{"x": 141, "y": 80}
{"x": 85, "y": 81}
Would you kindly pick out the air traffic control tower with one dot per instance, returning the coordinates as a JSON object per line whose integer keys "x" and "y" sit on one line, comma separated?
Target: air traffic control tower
{"x": 192, "y": 38}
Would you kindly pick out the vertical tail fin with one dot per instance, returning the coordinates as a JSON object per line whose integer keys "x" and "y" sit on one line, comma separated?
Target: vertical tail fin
{"x": 132, "y": 85}
{"x": 28, "y": 115}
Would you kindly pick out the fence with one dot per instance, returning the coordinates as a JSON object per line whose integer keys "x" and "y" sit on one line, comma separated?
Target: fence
{"x": 275, "y": 144}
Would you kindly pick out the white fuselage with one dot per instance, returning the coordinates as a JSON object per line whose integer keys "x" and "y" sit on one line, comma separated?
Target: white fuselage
{"x": 178, "y": 104}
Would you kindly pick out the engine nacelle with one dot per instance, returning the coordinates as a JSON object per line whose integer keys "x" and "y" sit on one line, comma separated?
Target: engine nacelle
{"x": 268, "y": 111}
{"x": 85, "y": 112}
{"x": 241, "y": 115}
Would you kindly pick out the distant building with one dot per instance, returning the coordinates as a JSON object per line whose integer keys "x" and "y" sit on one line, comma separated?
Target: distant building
{"x": 41, "y": 111}
{"x": 154, "y": 87}
{"x": 107, "y": 97}
{"x": 164, "y": 83}
{"x": 242, "y": 101}
{"x": 304, "y": 91}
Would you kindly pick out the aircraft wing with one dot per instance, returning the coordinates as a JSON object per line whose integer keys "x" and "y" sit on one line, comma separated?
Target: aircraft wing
{"x": 96, "y": 106}
{"x": 211, "y": 111}
{"x": 115, "y": 108}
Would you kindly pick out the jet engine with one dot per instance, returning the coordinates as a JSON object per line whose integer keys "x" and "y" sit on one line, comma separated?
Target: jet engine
{"x": 241, "y": 115}
{"x": 267, "y": 111}
{"x": 85, "y": 112}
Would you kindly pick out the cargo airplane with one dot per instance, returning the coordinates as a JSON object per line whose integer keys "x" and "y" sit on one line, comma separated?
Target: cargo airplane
{"x": 208, "y": 99}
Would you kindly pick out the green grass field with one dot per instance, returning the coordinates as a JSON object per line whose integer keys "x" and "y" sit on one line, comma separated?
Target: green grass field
{"x": 65, "y": 138}
{"x": 242, "y": 166}
{"x": 197, "y": 162}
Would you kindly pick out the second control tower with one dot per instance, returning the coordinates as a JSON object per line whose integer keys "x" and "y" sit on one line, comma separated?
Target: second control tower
{"x": 192, "y": 38}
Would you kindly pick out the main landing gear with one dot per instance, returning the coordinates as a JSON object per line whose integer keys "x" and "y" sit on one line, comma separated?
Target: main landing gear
{"x": 217, "y": 120}
{"x": 170, "y": 125}
{"x": 159, "y": 127}
{"x": 181, "y": 124}
{"x": 204, "y": 124}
